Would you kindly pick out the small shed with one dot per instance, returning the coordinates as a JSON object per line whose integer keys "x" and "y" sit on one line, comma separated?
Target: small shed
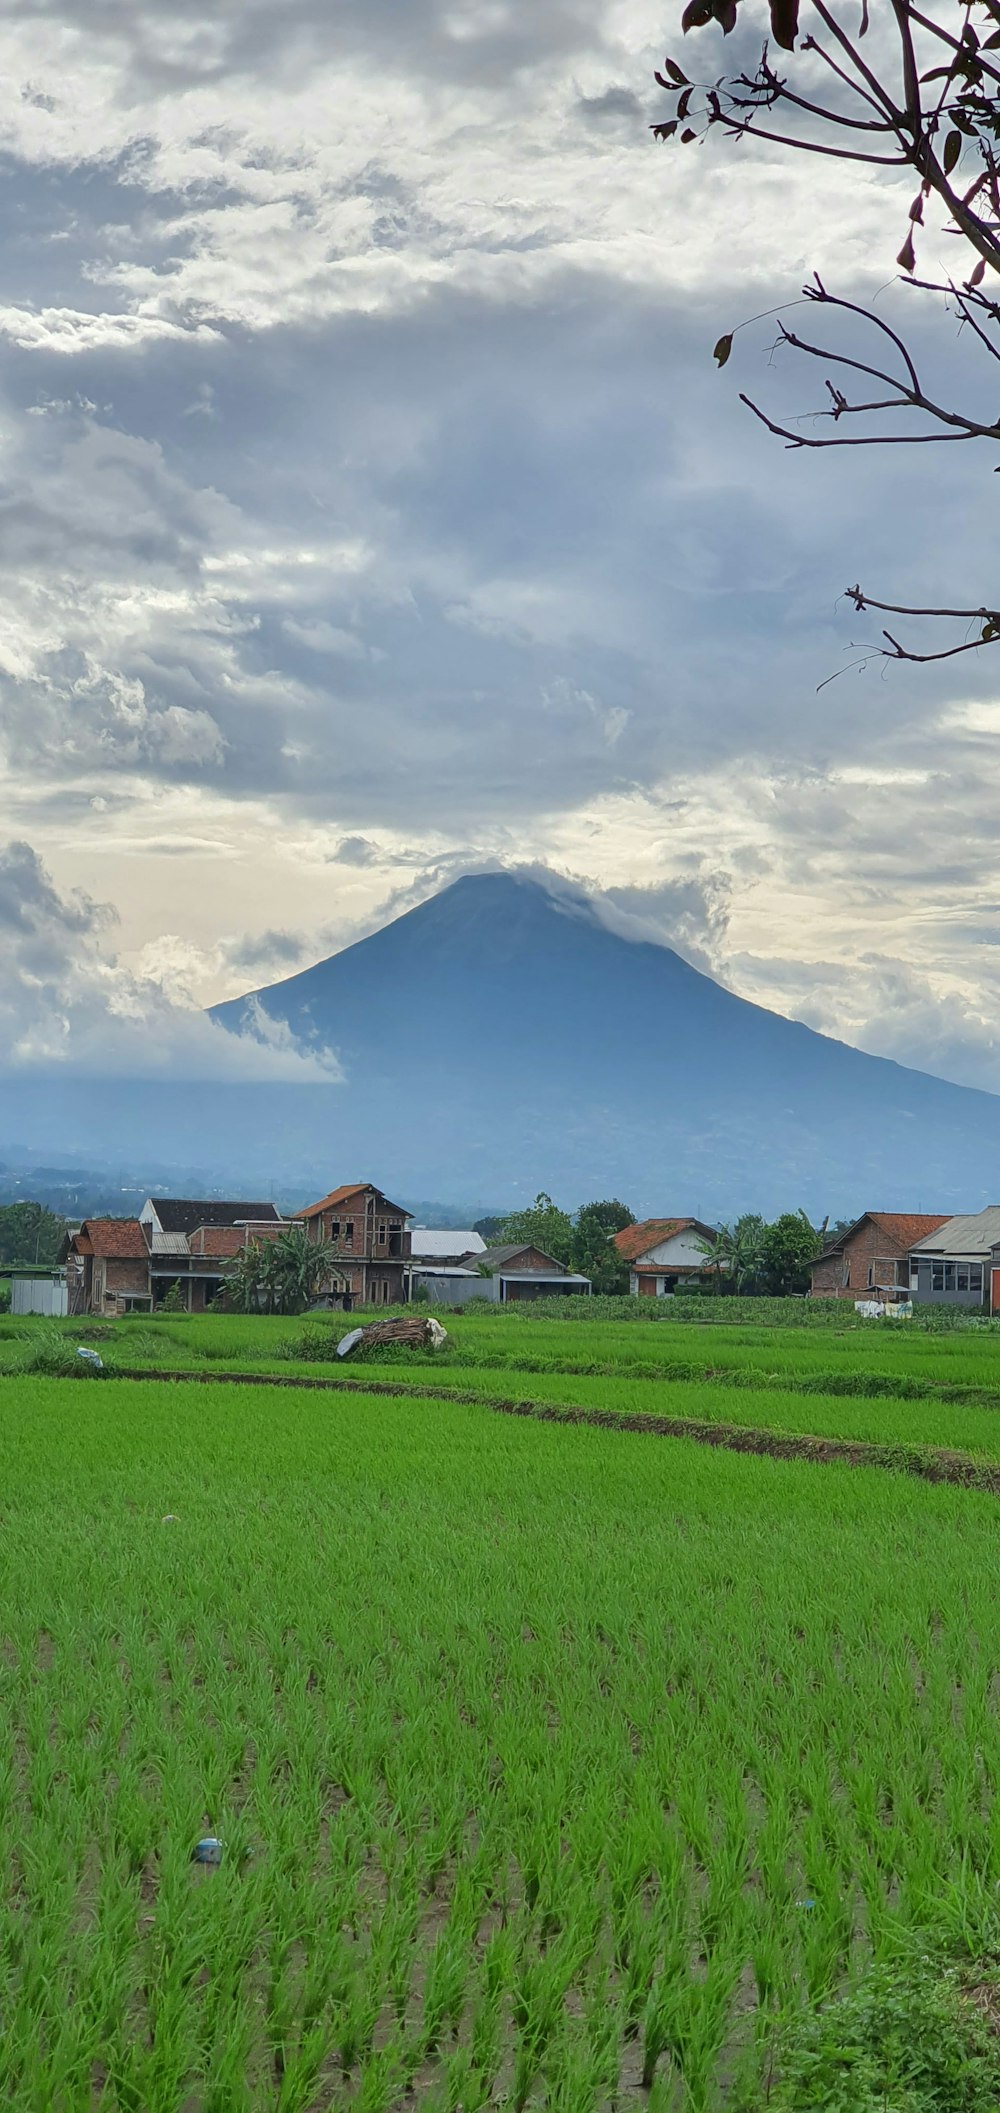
{"x": 31, "y": 1293}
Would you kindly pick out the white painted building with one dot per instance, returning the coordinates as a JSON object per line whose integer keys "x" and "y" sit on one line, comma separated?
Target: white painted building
{"x": 664, "y": 1255}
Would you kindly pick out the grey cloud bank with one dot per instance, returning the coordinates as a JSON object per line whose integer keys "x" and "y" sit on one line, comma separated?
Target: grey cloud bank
{"x": 370, "y": 508}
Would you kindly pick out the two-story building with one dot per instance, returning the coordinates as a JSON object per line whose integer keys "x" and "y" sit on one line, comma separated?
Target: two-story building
{"x": 371, "y": 1240}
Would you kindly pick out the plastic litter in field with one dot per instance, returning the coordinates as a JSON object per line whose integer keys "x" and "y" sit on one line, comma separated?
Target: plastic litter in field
{"x": 170, "y": 1518}
{"x": 90, "y": 1357}
{"x": 207, "y": 1851}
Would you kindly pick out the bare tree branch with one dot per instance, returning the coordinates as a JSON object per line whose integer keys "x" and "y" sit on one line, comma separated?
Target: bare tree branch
{"x": 937, "y": 115}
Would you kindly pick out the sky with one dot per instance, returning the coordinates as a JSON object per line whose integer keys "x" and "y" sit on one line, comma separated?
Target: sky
{"x": 372, "y": 510}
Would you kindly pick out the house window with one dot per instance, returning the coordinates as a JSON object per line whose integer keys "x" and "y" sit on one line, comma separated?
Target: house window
{"x": 847, "y": 1271}
{"x": 963, "y": 1276}
{"x": 334, "y": 1229}
{"x": 348, "y": 1232}
{"x": 871, "y": 1275}
{"x": 382, "y": 1234}
{"x": 976, "y": 1279}
{"x": 937, "y": 1276}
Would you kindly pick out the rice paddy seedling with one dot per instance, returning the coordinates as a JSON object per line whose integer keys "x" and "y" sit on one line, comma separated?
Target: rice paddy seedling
{"x": 576, "y": 1771}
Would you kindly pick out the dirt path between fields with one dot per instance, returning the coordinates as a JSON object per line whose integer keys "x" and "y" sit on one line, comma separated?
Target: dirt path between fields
{"x": 930, "y": 1464}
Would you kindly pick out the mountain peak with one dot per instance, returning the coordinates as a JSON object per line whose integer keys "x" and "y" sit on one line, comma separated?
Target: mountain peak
{"x": 502, "y": 1037}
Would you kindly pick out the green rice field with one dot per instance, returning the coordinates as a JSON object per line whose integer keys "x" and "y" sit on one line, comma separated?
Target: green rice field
{"x": 553, "y": 1766}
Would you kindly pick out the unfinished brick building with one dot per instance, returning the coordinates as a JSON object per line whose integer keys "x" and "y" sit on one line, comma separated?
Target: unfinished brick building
{"x": 872, "y": 1256}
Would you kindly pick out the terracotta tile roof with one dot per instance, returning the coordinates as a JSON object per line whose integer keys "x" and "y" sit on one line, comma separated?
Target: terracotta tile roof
{"x": 341, "y": 1195}
{"x": 904, "y": 1227}
{"x": 636, "y": 1240}
{"x": 908, "y": 1226}
{"x": 115, "y": 1239}
{"x": 689, "y": 1269}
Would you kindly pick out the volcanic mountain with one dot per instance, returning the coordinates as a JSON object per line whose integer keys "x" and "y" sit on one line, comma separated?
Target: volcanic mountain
{"x": 501, "y": 1038}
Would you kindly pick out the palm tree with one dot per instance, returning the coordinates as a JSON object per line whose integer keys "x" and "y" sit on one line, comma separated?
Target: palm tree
{"x": 735, "y": 1251}
{"x": 302, "y": 1267}
{"x": 282, "y": 1275}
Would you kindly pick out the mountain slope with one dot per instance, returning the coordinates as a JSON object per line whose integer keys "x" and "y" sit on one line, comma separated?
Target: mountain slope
{"x": 500, "y": 1038}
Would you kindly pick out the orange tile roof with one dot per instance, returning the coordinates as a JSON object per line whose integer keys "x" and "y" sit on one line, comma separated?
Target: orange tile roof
{"x": 905, "y": 1227}
{"x": 636, "y": 1240}
{"x": 908, "y": 1226}
{"x": 341, "y": 1195}
{"x": 115, "y": 1239}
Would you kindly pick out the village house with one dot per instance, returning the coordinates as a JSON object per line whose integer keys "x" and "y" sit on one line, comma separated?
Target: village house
{"x": 508, "y": 1272}
{"x": 871, "y": 1259}
{"x": 664, "y": 1256}
{"x": 107, "y": 1267}
{"x": 954, "y": 1264}
{"x": 372, "y": 1242}
{"x": 115, "y": 1265}
{"x": 176, "y": 1229}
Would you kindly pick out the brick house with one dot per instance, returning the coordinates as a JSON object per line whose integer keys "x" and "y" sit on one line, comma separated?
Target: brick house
{"x": 511, "y": 1271}
{"x": 663, "y": 1255}
{"x": 107, "y": 1266}
{"x": 372, "y": 1240}
{"x": 872, "y": 1256}
{"x": 176, "y": 1229}
{"x": 116, "y": 1264}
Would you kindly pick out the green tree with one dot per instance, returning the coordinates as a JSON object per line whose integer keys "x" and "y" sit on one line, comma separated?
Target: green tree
{"x": 29, "y": 1233}
{"x": 283, "y": 1275}
{"x": 736, "y": 1253}
{"x": 594, "y": 1251}
{"x": 542, "y": 1225}
{"x": 788, "y": 1247}
{"x": 174, "y": 1300}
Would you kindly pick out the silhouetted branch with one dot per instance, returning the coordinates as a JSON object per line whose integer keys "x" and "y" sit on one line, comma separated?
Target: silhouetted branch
{"x": 933, "y": 107}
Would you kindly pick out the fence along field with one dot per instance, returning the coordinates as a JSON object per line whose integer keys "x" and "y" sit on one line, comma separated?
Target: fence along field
{"x": 552, "y": 1769}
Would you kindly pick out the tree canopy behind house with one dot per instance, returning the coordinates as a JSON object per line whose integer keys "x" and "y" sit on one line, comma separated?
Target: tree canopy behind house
{"x": 29, "y": 1233}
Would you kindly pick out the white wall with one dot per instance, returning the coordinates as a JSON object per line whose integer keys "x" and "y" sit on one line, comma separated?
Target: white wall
{"x": 679, "y": 1252}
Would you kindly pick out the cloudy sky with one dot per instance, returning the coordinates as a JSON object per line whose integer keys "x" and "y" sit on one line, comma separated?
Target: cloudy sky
{"x": 372, "y": 509}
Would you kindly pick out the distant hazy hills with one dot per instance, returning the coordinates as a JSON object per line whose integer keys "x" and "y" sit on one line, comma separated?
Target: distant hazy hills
{"x": 500, "y": 1039}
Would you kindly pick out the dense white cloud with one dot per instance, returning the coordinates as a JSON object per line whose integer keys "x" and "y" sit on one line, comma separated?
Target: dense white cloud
{"x": 370, "y": 508}
{"x": 67, "y": 1004}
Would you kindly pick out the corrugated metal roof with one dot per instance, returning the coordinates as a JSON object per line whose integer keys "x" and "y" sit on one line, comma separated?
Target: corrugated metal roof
{"x": 167, "y": 1243}
{"x": 542, "y": 1276}
{"x": 973, "y": 1234}
{"x": 425, "y": 1241}
{"x": 442, "y": 1269}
